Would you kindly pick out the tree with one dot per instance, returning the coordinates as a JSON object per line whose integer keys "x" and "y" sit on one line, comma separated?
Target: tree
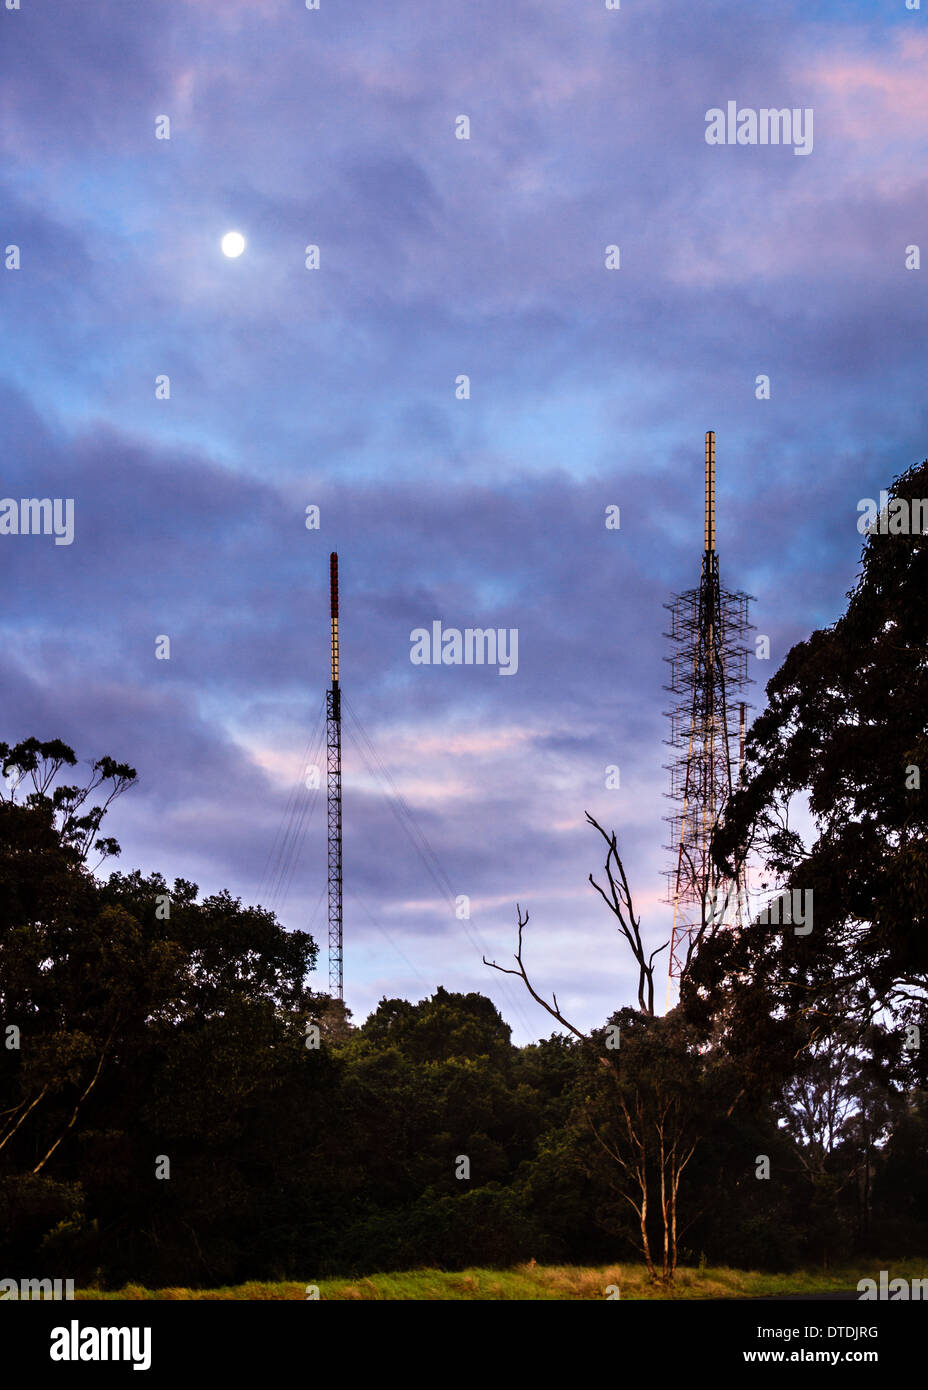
{"x": 147, "y": 1022}
{"x": 900, "y": 1189}
{"x": 40, "y": 764}
{"x": 845, "y": 732}
{"x": 66, "y": 962}
{"x": 657, "y": 1095}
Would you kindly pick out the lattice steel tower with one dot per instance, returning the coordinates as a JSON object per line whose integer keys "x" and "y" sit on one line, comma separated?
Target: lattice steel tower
{"x": 333, "y": 739}
{"x": 708, "y": 667}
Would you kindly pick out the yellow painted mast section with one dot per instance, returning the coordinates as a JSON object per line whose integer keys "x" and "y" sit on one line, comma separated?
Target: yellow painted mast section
{"x": 710, "y": 491}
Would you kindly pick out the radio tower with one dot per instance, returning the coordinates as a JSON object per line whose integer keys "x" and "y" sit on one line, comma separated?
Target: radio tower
{"x": 333, "y": 738}
{"x": 708, "y": 667}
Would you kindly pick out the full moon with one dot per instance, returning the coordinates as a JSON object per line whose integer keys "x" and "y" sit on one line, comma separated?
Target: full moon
{"x": 233, "y": 244}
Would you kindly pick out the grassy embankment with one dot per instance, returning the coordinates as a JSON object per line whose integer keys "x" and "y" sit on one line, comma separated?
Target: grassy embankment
{"x": 531, "y": 1281}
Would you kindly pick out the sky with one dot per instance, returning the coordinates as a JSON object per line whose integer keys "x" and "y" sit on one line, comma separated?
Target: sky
{"x": 339, "y": 387}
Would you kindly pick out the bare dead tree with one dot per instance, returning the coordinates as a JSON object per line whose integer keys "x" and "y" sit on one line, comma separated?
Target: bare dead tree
{"x": 636, "y": 1167}
{"x": 640, "y": 1120}
{"x": 551, "y": 1008}
{"x": 619, "y": 903}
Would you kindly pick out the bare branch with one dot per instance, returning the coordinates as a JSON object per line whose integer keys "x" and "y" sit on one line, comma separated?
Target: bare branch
{"x": 620, "y": 905}
{"x": 552, "y": 1008}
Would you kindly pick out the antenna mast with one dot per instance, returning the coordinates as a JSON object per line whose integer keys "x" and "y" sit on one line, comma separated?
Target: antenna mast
{"x": 333, "y": 731}
{"x": 708, "y": 669}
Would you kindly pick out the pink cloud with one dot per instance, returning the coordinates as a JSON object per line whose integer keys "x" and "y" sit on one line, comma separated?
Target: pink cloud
{"x": 877, "y": 96}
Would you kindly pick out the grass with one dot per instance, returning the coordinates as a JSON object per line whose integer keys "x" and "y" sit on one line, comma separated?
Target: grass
{"x": 531, "y": 1281}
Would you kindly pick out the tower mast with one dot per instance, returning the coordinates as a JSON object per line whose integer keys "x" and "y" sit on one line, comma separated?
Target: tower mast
{"x": 708, "y": 668}
{"x": 333, "y": 731}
